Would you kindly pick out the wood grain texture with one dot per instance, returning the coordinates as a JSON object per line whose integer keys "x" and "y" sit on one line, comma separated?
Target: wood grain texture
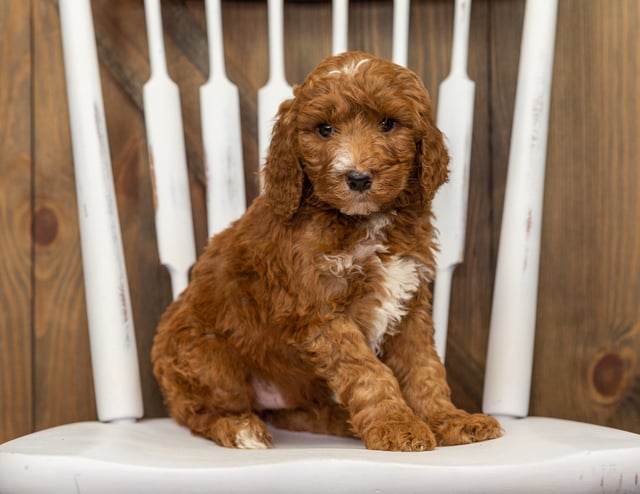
{"x": 63, "y": 389}
{"x": 588, "y": 341}
{"x": 16, "y": 394}
{"x": 587, "y": 364}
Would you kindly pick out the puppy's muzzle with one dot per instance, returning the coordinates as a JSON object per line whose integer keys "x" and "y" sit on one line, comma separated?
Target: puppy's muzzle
{"x": 359, "y": 181}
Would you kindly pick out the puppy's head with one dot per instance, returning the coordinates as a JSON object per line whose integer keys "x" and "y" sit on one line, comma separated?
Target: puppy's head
{"x": 360, "y": 129}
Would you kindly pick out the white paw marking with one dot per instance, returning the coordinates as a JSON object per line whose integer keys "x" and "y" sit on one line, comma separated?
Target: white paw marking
{"x": 246, "y": 439}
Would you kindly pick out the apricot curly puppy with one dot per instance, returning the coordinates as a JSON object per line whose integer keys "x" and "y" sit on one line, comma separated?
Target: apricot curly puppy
{"x": 313, "y": 310}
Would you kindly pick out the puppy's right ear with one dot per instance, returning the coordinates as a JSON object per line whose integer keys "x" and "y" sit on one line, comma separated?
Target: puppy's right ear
{"x": 283, "y": 175}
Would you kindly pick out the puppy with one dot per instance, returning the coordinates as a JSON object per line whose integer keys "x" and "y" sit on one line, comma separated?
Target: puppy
{"x": 312, "y": 311}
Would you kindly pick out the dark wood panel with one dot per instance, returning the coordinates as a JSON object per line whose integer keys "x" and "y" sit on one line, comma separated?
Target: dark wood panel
{"x": 588, "y": 342}
{"x": 504, "y": 38}
{"x": 586, "y": 365}
{"x": 63, "y": 384}
{"x": 15, "y": 220}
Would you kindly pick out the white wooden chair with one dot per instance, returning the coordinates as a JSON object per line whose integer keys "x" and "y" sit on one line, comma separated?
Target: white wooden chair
{"x": 122, "y": 454}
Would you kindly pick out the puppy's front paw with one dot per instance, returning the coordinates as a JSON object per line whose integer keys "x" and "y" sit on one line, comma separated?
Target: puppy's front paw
{"x": 464, "y": 428}
{"x": 406, "y": 433}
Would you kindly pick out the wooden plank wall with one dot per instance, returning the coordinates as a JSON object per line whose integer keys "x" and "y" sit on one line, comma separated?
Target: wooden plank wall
{"x": 16, "y": 288}
{"x": 587, "y": 360}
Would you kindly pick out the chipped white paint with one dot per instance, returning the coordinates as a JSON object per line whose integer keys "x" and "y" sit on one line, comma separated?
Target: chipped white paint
{"x": 246, "y": 439}
{"x": 221, "y": 133}
{"x": 168, "y": 159}
{"x": 114, "y": 356}
{"x": 513, "y": 314}
{"x": 162, "y": 457}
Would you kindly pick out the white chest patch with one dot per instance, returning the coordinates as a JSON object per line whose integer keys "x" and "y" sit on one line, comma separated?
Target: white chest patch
{"x": 401, "y": 279}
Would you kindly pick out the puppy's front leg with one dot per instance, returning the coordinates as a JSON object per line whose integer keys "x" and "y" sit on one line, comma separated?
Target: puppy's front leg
{"x": 411, "y": 355}
{"x": 367, "y": 387}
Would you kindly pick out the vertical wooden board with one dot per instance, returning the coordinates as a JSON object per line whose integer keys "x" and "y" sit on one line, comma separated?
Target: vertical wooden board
{"x": 505, "y": 37}
{"x": 430, "y": 38}
{"x": 588, "y": 361}
{"x": 371, "y": 27}
{"x": 16, "y": 393}
{"x": 63, "y": 381}
{"x": 307, "y": 37}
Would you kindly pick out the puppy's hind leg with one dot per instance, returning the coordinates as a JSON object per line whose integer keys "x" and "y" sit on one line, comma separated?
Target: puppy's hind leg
{"x": 205, "y": 386}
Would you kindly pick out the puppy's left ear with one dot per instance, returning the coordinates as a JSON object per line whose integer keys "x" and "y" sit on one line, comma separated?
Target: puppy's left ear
{"x": 283, "y": 175}
{"x": 433, "y": 160}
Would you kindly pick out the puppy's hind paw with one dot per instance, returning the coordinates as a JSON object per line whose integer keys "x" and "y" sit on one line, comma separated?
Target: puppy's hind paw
{"x": 243, "y": 431}
{"x": 251, "y": 439}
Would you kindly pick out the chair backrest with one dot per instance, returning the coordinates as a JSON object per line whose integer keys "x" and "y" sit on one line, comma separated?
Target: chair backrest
{"x": 111, "y": 328}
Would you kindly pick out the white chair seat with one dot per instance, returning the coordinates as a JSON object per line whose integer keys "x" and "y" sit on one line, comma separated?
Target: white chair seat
{"x": 158, "y": 456}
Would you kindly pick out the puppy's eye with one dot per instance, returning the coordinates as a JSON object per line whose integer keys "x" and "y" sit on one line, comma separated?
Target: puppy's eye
{"x": 387, "y": 124}
{"x": 325, "y": 130}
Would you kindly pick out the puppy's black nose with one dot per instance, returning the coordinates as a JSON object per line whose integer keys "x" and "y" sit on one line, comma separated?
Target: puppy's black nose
{"x": 359, "y": 181}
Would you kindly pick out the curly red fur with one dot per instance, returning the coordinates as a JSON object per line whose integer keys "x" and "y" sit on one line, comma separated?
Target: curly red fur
{"x": 312, "y": 310}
